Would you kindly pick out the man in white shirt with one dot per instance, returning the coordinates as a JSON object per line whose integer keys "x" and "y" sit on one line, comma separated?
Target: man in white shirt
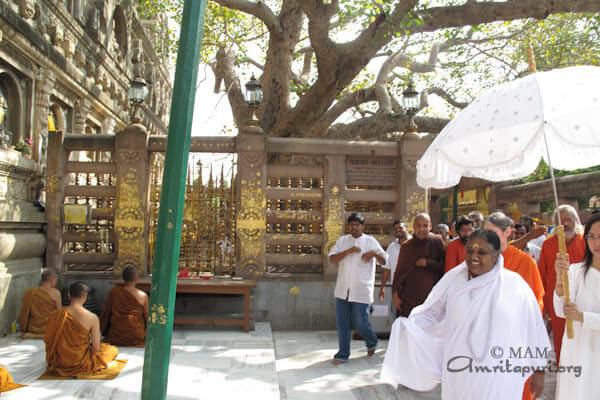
{"x": 355, "y": 254}
{"x": 393, "y": 251}
{"x": 530, "y": 248}
{"x": 535, "y": 233}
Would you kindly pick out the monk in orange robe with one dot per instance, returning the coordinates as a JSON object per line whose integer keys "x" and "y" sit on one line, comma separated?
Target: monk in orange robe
{"x": 517, "y": 261}
{"x": 38, "y": 303}
{"x": 576, "y": 250}
{"x": 123, "y": 321}
{"x": 72, "y": 338}
{"x": 6, "y": 381}
{"x": 456, "y": 249}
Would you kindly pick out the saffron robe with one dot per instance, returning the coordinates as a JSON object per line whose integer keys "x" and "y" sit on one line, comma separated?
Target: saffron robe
{"x": 583, "y": 351}
{"x": 68, "y": 347}
{"x": 576, "y": 251}
{"x": 36, "y": 307}
{"x": 122, "y": 322}
{"x": 464, "y": 333}
{"x": 6, "y": 381}
{"x": 413, "y": 283}
{"x": 523, "y": 264}
{"x": 455, "y": 254}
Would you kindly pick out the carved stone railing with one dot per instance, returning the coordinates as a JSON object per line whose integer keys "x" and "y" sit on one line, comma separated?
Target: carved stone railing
{"x": 279, "y": 228}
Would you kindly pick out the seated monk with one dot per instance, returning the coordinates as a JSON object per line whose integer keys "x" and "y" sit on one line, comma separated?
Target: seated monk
{"x": 6, "y": 381}
{"x": 72, "y": 338}
{"x": 123, "y": 321}
{"x": 38, "y": 303}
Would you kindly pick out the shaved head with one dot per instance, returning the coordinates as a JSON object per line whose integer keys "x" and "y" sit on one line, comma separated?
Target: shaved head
{"x": 48, "y": 274}
{"x": 424, "y": 216}
{"x": 422, "y": 226}
{"x": 78, "y": 289}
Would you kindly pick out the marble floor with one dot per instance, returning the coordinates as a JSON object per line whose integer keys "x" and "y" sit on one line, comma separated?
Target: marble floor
{"x": 208, "y": 364}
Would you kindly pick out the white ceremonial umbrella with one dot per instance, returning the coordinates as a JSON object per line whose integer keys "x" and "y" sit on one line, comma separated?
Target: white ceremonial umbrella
{"x": 505, "y": 131}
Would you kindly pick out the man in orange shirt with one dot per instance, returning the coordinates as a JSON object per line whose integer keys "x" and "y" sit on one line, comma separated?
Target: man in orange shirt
{"x": 576, "y": 250}
{"x": 455, "y": 251}
{"x": 519, "y": 262}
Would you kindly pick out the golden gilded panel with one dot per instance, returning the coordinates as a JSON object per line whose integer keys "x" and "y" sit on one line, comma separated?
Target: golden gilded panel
{"x": 334, "y": 224}
{"x": 52, "y": 184}
{"x": 415, "y": 204}
{"x": 251, "y": 227}
{"x": 129, "y": 191}
{"x": 251, "y": 219}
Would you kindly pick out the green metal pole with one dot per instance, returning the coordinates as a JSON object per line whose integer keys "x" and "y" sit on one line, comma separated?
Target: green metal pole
{"x": 164, "y": 278}
{"x": 454, "y": 203}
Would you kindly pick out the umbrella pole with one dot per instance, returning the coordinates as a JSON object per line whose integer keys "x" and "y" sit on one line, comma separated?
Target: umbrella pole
{"x": 562, "y": 244}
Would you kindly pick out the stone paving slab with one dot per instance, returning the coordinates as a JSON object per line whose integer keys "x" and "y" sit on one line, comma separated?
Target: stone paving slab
{"x": 204, "y": 365}
{"x": 222, "y": 365}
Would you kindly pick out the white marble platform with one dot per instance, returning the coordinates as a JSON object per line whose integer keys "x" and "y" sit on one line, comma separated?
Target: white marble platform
{"x": 222, "y": 365}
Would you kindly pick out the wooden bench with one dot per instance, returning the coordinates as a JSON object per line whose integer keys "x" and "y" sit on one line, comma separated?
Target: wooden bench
{"x": 212, "y": 286}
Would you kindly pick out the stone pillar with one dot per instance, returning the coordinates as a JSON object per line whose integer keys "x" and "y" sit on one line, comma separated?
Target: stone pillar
{"x": 413, "y": 199}
{"x": 131, "y": 219}
{"x": 44, "y": 85}
{"x": 82, "y": 108}
{"x": 334, "y": 189}
{"x": 55, "y": 187}
{"x": 251, "y": 225}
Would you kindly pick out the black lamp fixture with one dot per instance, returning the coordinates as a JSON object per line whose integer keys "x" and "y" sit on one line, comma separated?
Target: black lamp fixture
{"x": 411, "y": 102}
{"x": 253, "y": 96}
{"x": 137, "y": 93}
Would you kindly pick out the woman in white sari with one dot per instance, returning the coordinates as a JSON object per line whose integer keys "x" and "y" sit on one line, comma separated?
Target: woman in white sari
{"x": 579, "y": 375}
{"x": 480, "y": 332}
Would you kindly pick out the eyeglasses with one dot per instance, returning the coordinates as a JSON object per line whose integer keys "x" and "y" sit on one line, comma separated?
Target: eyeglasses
{"x": 592, "y": 237}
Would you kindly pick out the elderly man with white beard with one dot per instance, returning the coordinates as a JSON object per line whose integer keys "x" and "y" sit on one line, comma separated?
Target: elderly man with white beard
{"x": 468, "y": 334}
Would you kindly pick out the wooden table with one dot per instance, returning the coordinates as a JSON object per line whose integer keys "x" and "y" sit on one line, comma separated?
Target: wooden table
{"x": 210, "y": 286}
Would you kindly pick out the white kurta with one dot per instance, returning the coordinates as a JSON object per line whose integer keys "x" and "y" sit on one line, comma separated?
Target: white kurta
{"x": 393, "y": 251}
{"x": 464, "y": 335}
{"x": 584, "y": 349}
{"x": 356, "y": 278}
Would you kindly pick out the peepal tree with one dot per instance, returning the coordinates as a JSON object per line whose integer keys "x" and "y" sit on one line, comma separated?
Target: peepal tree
{"x": 311, "y": 57}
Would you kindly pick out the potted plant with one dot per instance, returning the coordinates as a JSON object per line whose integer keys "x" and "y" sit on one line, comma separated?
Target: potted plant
{"x": 24, "y": 146}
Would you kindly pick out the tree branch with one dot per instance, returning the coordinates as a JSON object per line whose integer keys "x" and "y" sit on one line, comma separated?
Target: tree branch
{"x": 446, "y": 96}
{"x": 348, "y": 101}
{"x": 476, "y": 13}
{"x": 225, "y": 72}
{"x": 379, "y": 125}
{"x": 257, "y": 9}
{"x": 400, "y": 59}
{"x": 252, "y": 61}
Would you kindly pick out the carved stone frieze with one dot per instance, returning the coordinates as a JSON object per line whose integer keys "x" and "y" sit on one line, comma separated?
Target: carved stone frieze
{"x": 17, "y": 56}
{"x": 56, "y": 32}
{"x": 90, "y": 68}
{"x": 68, "y": 45}
{"x": 80, "y": 58}
{"x": 27, "y": 8}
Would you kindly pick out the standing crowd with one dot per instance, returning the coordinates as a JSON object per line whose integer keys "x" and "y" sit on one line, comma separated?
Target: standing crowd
{"x": 476, "y": 310}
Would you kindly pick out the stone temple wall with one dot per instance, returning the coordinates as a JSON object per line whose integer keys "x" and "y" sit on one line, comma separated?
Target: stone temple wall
{"x": 64, "y": 66}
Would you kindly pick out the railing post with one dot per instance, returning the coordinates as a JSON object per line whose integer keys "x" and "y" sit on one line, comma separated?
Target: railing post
{"x": 334, "y": 189}
{"x": 131, "y": 219}
{"x": 251, "y": 225}
{"x": 413, "y": 199}
{"x": 55, "y": 194}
